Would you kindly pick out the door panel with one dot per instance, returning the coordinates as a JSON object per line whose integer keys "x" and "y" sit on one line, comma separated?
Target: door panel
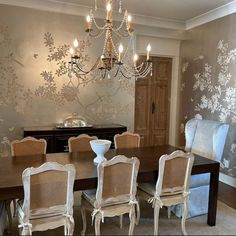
{"x": 142, "y": 100}
{"x": 152, "y": 104}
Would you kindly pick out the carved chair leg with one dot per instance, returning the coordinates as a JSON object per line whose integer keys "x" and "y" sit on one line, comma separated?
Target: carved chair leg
{"x": 184, "y": 216}
{"x": 69, "y": 227}
{"x": 169, "y": 211}
{"x": 132, "y": 221}
{"x": 65, "y": 230}
{"x": 83, "y": 213}
{"x": 137, "y": 213}
{"x": 121, "y": 221}
{"x": 156, "y": 218}
{"x": 15, "y": 209}
{"x": 26, "y": 231}
{"x": 97, "y": 224}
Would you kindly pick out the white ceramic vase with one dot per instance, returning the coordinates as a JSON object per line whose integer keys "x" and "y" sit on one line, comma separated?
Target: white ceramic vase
{"x": 100, "y": 147}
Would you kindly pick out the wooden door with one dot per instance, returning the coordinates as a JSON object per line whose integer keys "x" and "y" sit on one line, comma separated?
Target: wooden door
{"x": 152, "y": 104}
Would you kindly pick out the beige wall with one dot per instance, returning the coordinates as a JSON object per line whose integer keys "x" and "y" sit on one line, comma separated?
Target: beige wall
{"x": 208, "y": 82}
{"x": 35, "y": 88}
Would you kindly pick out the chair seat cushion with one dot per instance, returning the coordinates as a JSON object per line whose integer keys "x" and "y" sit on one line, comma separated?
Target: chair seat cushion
{"x": 199, "y": 180}
{"x": 90, "y": 195}
{"x": 149, "y": 188}
{"x": 41, "y": 213}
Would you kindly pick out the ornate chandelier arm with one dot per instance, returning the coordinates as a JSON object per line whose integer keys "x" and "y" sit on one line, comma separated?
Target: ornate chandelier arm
{"x": 98, "y": 35}
{"x": 95, "y": 23}
{"x": 76, "y": 67}
{"x": 141, "y": 73}
{"x": 140, "y": 68}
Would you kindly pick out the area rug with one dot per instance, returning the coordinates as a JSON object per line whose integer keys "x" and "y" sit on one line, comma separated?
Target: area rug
{"x": 225, "y": 224}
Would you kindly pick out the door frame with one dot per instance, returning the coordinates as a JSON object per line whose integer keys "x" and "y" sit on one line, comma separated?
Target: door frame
{"x": 174, "y": 98}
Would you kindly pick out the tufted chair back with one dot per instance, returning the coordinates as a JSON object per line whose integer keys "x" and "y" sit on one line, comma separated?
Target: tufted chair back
{"x": 206, "y": 138}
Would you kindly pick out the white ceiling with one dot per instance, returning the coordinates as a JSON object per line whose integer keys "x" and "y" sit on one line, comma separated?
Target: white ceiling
{"x": 166, "y": 14}
{"x": 171, "y": 9}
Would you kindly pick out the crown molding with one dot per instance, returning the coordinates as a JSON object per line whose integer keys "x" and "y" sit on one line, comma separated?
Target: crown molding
{"x": 81, "y": 10}
{"x": 61, "y": 6}
{"x": 214, "y": 14}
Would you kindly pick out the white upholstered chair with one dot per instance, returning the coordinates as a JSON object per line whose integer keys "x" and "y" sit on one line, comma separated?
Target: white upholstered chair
{"x": 80, "y": 143}
{"x": 115, "y": 194}
{"x": 24, "y": 147}
{"x": 48, "y": 198}
{"x": 28, "y": 146}
{"x": 172, "y": 186}
{"x": 205, "y": 138}
{"x": 126, "y": 140}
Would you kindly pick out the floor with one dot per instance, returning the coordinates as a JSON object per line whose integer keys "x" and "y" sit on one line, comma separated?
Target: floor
{"x": 227, "y": 194}
{"x": 196, "y": 225}
{"x": 225, "y": 224}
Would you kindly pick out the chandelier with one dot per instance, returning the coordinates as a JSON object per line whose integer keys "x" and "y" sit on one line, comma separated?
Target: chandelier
{"x": 111, "y": 62}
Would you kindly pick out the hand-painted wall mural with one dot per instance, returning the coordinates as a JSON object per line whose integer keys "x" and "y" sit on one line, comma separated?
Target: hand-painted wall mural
{"x": 35, "y": 88}
{"x": 209, "y": 81}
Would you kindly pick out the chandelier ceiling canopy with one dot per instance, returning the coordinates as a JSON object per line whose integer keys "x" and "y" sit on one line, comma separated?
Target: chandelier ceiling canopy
{"x": 114, "y": 59}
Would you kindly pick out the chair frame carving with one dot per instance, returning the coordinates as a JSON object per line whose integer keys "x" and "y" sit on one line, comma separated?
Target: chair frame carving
{"x": 26, "y": 139}
{"x": 68, "y": 222}
{"x": 81, "y": 136}
{"x": 174, "y": 195}
{"x": 109, "y": 207}
{"x": 127, "y": 133}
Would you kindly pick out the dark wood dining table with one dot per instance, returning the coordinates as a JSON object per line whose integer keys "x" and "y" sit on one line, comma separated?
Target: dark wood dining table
{"x": 11, "y": 169}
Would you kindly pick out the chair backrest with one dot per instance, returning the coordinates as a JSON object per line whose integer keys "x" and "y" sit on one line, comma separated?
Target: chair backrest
{"x": 127, "y": 140}
{"x": 28, "y": 146}
{"x": 174, "y": 173}
{"x": 117, "y": 181}
{"x": 206, "y": 138}
{"x": 80, "y": 143}
{"x": 48, "y": 189}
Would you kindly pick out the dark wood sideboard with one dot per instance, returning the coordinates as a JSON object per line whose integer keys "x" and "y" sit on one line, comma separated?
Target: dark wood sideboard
{"x": 57, "y": 138}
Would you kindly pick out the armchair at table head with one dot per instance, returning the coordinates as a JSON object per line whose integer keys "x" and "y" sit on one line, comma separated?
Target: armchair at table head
{"x": 205, "y": 138}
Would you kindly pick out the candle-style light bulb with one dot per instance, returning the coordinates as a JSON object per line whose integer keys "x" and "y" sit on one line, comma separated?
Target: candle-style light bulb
{"x": 109, "y": 7}
{"x": 72, "y": 51}
{"x": 148, "y": 51}
{"x": 129, "y": 18}
{"x": 135, "y": 58}
{"x": 76, "y": 43}
{"x": 88, "y": 19}
{"x": 121, "y": 48}
{"x": 109, "y": 12}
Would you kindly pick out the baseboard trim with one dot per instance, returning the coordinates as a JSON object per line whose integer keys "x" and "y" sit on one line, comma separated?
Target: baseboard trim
{"x": 227, "y": 180}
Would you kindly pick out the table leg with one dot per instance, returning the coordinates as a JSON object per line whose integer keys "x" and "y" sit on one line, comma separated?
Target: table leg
{"x": 213, "y": 192}
{"x": 8, "y": 209}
